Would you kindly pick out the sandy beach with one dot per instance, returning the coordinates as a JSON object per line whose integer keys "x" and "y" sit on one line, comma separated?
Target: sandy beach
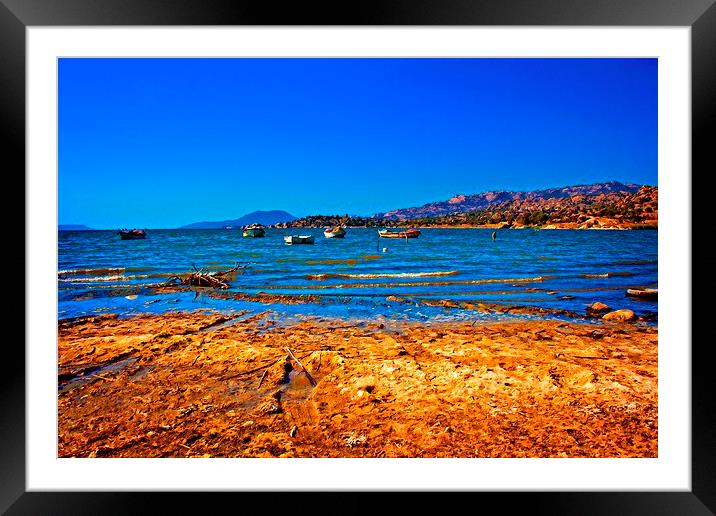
{"x": 203, "y": 384}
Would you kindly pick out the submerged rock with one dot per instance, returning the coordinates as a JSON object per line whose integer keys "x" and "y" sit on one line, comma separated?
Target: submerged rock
{"x": 597, "y": 308}
{"x": 619, "y": 315}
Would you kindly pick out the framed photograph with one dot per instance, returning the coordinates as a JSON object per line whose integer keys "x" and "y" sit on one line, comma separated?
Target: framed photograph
{"x": 407, "y": 250}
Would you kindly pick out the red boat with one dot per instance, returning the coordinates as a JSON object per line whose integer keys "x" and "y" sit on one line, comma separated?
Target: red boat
{"x": 408, "y": 233}
{"x": 132, "y": 234}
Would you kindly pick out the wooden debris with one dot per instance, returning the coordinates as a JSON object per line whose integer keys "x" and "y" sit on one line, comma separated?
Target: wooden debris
{"x": 310, "y": 378}
{"x": 198, "y": 278}
{"x": 262, "y": 378}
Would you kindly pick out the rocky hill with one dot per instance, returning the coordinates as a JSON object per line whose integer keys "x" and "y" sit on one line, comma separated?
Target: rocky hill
{"x": 616, "y": 209}
{"x": 468, "y": 203}
{"x": 602, "y": 205}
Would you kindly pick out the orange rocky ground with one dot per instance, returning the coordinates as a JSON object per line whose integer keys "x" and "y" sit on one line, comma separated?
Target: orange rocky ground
{"x": 188, "y": 385}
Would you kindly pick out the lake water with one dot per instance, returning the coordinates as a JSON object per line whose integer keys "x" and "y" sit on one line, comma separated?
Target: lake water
{"x": 560, "y": 269}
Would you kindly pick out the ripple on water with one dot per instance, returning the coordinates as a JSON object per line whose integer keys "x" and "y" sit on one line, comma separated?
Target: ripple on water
{"x": 97, "y": 270}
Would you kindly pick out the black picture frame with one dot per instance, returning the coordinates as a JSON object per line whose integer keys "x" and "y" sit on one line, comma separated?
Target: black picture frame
{"x": 699, "y": 15}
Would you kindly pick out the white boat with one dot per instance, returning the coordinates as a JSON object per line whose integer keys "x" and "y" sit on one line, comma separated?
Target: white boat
{"x": 336, "y": 232}
{"x": 410, "y": 233}
{"x": 298, "y": 239}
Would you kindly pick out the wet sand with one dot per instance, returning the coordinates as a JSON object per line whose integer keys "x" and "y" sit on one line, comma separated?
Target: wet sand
{"x": 197, "y": 384}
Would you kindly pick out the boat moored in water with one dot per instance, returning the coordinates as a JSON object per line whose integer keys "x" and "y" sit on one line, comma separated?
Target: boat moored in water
{"x": 254, "y": 231}
{"x": 336, "y": 232}
{"x": 298, "y": 239}
{"x": 408, "y": 233}
{"x": 132, "y": 234}
{"x": 643, "y": 292}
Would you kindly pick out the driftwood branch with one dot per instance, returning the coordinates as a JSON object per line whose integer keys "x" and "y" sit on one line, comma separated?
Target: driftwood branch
{"x": 303, "y": 368}
{"x": 262, "y": 378}
{"x": 256, "y": 369}
{"x": 199, "y": 278}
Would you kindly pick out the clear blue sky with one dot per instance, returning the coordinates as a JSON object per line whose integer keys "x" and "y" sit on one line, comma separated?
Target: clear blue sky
{"x": 164, "y": 142}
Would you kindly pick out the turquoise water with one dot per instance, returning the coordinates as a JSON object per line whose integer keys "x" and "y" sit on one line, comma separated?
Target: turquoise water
{"x": 561, "y": 269}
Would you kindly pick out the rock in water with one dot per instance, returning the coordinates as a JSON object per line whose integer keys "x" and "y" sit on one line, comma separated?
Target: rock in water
{"x": 619, "y": 315}
{"x": 597, "y": 309}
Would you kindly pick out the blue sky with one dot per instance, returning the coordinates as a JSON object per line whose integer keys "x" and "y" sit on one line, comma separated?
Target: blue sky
{"x": 159, "y": 143}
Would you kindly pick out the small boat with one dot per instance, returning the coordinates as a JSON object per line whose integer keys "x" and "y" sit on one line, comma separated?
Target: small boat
{"x": 254, "y": 231}
{"x": 336, "y": 232}
{"x": 409, "y": 233}
{"x": 132, "y": 234}
{"x": 298, "y": 239}
{"x": 643, "y": 292}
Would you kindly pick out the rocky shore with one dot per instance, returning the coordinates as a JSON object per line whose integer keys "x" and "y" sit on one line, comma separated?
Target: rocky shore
{"x": 205, "y": 384}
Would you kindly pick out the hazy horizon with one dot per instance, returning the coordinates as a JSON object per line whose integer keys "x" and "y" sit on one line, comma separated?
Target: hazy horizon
{"x": 160, "y": 143}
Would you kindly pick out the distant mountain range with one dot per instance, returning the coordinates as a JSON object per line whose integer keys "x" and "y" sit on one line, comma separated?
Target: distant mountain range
{"x": 72, "y": 227}
{"x": 267, "y": 218}
{"x": 599, "y": 206}
{"x": 474, "y": 202}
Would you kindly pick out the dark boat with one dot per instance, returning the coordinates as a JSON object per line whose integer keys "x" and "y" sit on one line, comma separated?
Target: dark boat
{"x": 409, "y": 233}
{"x": 132, "y": 234}
{"x": 254, "y": 231}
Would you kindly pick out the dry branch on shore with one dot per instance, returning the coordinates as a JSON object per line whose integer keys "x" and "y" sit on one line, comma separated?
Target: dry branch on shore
{"x": 198, "y": 278}
{"x": 303, "y": 368}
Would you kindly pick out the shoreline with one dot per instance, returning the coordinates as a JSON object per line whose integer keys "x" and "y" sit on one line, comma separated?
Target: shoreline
{"x": 631, "y": 227}
{"x": 205, "y": 384}
{"x": 476, "y": 306}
